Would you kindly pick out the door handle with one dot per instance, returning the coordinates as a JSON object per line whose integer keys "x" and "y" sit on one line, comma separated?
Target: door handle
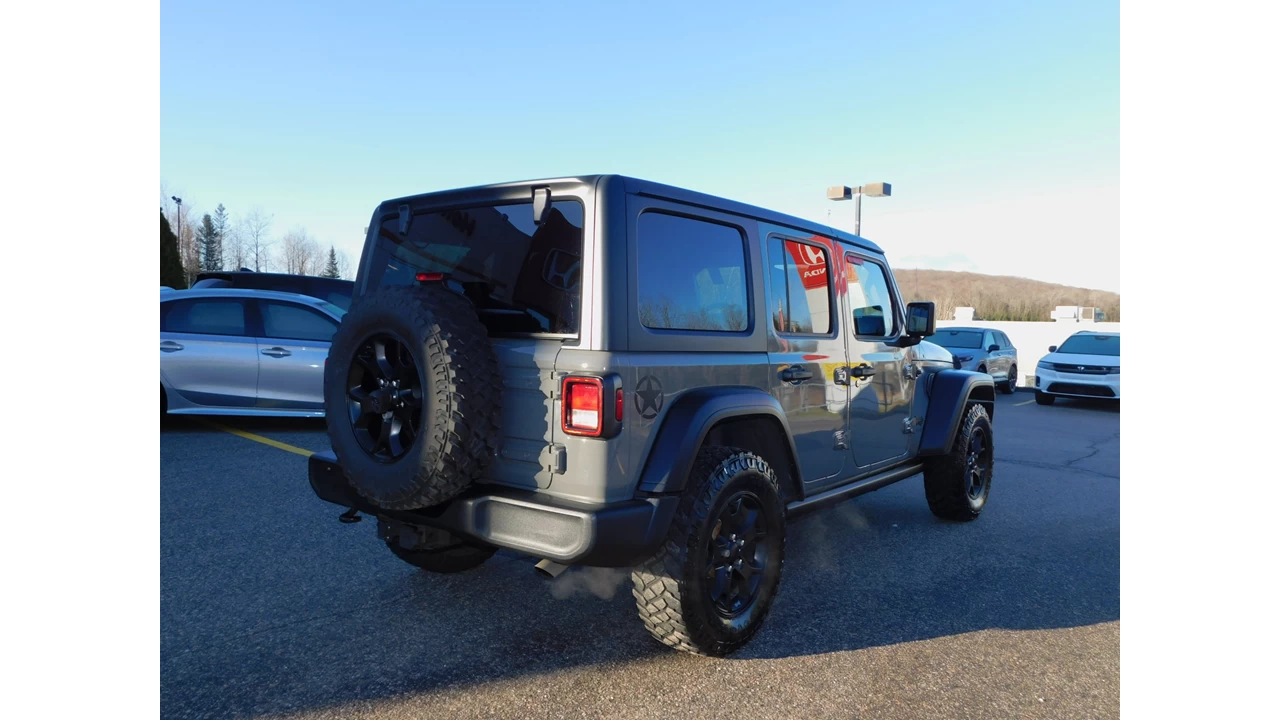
{"x": 276, "y": 352}
{"x": 862, "y": 371}
{"x": 795, "y": 373}
{"x": 170, "y": 346}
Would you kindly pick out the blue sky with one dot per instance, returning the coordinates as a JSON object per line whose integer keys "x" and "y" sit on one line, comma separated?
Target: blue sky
{"x": 997, "y": 123}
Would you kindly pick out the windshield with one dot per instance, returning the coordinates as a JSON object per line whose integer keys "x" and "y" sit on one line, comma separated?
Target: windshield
{"x": 961, "y": 339}
{"x": 1092, "y": 345}
{"x": 523, "y": 278}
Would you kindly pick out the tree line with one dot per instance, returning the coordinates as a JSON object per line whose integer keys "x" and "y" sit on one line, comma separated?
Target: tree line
{"x": 191, "y": 243}
{"x": 998, "y": 297}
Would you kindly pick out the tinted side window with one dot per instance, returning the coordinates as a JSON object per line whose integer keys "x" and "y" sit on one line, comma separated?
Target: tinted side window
{"x": 692, "y": 274}
{"x": 220, "y": 316}
{"x": 869, "y": 298}
{"x": 800, "y": 287}
{"x": 294, "y": 322}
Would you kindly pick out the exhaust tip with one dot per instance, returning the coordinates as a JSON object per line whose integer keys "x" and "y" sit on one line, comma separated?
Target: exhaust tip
{"x": 550, "y": 568}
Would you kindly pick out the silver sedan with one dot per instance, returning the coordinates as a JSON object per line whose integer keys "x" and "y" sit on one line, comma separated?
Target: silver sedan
{"x": 244, "y": 352}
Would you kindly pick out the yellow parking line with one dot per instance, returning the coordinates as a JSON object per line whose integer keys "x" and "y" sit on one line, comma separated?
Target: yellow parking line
{"x": 259, "y": 439}
{"x": 1024, "y": 403}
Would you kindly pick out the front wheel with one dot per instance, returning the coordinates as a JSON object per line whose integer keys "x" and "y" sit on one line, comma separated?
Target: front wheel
{"x": 957, "y": 484}
{"x": 708, "y": 589}
{"x": 1043, "y": 398}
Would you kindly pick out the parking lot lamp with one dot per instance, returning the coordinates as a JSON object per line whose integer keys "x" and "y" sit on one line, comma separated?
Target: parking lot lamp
{"x": 844, "y": 192}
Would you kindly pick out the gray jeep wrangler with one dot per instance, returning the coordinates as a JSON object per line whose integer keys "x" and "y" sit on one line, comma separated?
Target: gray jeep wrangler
{"x": 604, "y": 371}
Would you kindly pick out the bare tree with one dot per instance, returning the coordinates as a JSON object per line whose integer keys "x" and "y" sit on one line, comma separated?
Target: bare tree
{"x": 253, "y": 232}
{"x": 234, "y": 252}
{"x": 344, "y": 265}
{"x": 299, "y": 253}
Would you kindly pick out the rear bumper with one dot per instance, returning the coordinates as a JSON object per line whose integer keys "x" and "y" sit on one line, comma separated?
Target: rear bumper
{"x": 1081, "y": 385}
{"x": 613, "y": 535}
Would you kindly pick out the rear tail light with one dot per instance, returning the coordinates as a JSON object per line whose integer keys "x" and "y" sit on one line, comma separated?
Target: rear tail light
{"x": 582, "y": 405}
{"x": 617, "y": 404}
{"x": 428, "y": 277}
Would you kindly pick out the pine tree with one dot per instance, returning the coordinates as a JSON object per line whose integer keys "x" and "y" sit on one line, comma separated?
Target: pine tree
{"x": 207, "y": 239}
{"x": 331, "y": 267}
{"x": 221, "y": 226}
{"x": 171, "y": 274}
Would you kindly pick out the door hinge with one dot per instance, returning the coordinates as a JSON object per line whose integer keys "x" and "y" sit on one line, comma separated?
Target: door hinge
{"x": 556, "y": 464}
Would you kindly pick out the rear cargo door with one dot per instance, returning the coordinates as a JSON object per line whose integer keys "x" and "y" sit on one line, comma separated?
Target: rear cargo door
{"x": 526, "y": 368}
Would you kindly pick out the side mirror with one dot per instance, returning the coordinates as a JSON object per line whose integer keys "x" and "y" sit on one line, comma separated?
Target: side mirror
{"x": 920, "y": 319}
{"x": 541, "y": 204}
{"x": 993, "y": 348}
{"x": 1053, "y": 348}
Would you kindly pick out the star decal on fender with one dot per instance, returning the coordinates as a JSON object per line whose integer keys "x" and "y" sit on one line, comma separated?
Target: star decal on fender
{"x": 648, "y": 397}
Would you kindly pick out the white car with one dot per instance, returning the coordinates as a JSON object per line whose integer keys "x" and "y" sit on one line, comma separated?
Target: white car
{"x": 1086, "y": 365}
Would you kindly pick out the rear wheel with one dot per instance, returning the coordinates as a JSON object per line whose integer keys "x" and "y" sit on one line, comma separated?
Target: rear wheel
{"x": 1043, "y": 398}
{"x": 708, "y": 589}
{"x": 1010, "y": 385}
{"x": 431, "y": 549}
{"x": 459, "y": 558}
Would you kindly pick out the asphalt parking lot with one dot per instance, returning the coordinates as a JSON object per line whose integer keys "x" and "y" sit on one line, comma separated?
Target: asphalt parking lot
{"x": 272, "y": 608}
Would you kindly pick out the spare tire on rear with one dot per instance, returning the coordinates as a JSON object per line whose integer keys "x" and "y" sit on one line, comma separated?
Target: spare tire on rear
{"x": 412, "y": 396}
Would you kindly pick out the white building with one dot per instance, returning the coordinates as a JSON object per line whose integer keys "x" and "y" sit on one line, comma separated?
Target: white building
{"x": 1072, "y": 313}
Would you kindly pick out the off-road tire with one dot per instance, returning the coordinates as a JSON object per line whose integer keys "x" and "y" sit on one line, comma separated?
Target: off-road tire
{"x": 945, "y": 485}
{"x": 460, "y": 396}
{"x": 1043, "y": 398}
{"x": 1010, "y": 385}
{"x": 453, "y": 559}
{"x": 671, "y": 587}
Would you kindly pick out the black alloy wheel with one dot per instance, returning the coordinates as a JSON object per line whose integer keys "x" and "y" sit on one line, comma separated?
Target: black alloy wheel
{"x": 977, "y": 464}
{"x": 384, "y": 397}
{"x": 737, "y": 555}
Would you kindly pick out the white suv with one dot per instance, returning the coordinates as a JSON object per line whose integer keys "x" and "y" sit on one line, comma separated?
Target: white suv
{"x": 1086, "y": 365}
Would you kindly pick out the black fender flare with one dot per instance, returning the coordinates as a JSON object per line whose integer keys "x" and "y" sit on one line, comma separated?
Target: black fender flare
{"x": 950, "y": 392}
{"x": 686, "y": 424}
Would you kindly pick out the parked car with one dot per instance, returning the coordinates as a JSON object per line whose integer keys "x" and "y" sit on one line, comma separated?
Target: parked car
{"x": 244, "y": 352}
{"x": 332, "y": 290}
{"x": 604, "y": 371}
{"x": 983, "y": 350}
{"x": 1086, "y": 365}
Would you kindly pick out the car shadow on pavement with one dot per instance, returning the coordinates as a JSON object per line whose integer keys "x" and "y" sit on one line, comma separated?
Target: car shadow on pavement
{"x": 306, "y": 614}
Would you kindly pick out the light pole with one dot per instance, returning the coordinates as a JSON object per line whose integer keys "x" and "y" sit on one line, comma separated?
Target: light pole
{"x": 178, "y": 200}
{"x": 844, "y": 192}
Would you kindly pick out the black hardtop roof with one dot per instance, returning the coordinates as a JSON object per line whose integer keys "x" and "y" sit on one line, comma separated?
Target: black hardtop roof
{"x": 669, "y": 192}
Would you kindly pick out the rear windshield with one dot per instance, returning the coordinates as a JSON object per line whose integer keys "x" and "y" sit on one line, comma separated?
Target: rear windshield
{"x": 959, "y": 339}
{"x": 1092, "y": 345}
{"x": 523, "y": 278}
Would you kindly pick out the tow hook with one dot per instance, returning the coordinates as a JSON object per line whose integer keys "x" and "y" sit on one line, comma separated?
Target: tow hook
{"x": 350, "y": 516}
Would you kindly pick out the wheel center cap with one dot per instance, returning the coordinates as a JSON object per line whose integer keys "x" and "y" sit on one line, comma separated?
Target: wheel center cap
{"x": 381, "y": 399}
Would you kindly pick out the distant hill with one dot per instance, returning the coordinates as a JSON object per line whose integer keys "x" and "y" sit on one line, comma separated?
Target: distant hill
{"x": 998, "y": 297}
